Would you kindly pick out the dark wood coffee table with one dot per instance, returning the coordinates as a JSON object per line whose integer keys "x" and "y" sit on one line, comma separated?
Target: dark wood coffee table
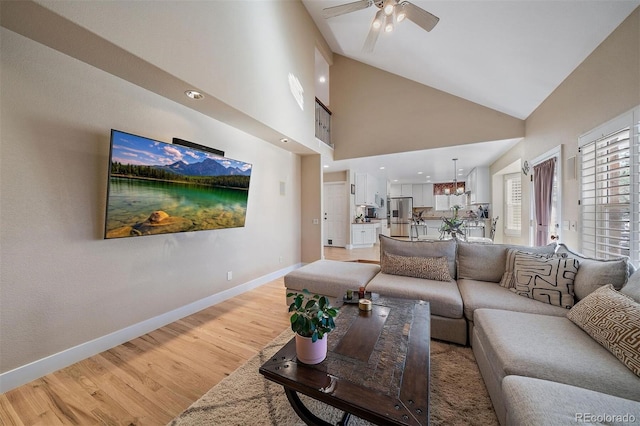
{"x": 377, "y": 366}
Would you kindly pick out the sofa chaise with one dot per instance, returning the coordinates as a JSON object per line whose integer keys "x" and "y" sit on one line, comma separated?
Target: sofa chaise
{"x": 530, "y": 341}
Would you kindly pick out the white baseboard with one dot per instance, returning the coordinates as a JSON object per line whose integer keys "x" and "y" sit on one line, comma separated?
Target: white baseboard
{"x": 36, "y": 369}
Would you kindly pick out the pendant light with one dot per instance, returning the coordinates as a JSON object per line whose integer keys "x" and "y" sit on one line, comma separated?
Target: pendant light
{"x": 457, "y": 191}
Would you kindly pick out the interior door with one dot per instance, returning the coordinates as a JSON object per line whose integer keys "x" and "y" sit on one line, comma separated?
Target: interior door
{"x": 335, "y": 214}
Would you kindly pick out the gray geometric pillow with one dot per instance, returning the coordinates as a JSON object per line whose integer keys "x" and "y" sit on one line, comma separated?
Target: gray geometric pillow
{"x": 546, "y": 280}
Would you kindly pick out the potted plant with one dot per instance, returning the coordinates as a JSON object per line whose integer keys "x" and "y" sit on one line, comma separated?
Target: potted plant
{"x": 359, "y": 218}
{"x": 311, "y": 319}
{"x": 452, "y": 225}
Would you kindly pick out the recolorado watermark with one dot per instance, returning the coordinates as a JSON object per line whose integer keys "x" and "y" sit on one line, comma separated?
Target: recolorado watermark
{"x": 605, "y": 418}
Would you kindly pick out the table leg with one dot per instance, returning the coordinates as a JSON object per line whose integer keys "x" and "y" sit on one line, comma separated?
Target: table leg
{"x": 307, "y": 416}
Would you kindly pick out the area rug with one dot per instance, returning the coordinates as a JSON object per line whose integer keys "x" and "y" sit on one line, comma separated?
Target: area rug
{"x": 458, "y": 394}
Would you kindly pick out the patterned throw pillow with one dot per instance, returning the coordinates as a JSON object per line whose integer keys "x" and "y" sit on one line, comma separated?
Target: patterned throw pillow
{"x": 613, "y": 320}
{"x": 508, "y": 279}
{"x": 430, "y": 268}
{"x": 546, "y": 280}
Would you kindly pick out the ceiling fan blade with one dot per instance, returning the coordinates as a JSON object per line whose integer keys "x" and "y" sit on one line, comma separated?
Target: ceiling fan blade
{"x": 374, "y": 32}
{"x": 419, "y": 16}
{"x": 330, "y": 12}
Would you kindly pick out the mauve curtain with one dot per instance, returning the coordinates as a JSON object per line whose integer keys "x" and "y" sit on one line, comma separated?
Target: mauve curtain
{"x": 543, "y": 193}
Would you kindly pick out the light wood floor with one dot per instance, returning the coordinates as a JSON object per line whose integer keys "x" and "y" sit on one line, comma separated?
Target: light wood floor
{"x": 152, "y": 379}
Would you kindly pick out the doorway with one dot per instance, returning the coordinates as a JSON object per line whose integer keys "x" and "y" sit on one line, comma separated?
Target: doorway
{"x": 553, "y": 225}
{"x": 334, "y": 230}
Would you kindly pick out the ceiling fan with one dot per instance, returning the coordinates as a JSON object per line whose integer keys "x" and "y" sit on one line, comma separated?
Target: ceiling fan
{"x": 390, "y": 13}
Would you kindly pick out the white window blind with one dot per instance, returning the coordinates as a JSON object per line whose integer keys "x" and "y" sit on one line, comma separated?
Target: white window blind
{"x": 610, "y": 189}
{"x": 512, "y": 204}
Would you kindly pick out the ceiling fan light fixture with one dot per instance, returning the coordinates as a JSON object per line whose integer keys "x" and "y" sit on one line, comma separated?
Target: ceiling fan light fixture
{"x": 388, "y": 7}
{"x": 376, "y": 24}
{"x": 401, "y": 13}
{"x": 388, "y": 25}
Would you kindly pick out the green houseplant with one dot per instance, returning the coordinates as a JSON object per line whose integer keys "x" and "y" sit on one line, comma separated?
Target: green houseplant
{"x": 311, "y": 319}
{"x": 452, "y": 225}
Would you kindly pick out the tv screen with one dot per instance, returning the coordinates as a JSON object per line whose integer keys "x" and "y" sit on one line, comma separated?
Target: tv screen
{"x": 157, "y": 188}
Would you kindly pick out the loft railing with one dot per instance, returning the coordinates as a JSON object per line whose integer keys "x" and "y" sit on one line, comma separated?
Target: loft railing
{"x": 323, "y": 123}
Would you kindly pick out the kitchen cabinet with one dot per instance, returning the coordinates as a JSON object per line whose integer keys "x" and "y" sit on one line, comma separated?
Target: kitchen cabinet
{"x": 418, "y": 196}
{"x": 366, "y": 190}
{"x": 445, "y": 202}
{"x": 479, "y": 186}
{"x": 402, "y": 190}
{"x": 364, "y": 234}
{"x": 422, "y": 195}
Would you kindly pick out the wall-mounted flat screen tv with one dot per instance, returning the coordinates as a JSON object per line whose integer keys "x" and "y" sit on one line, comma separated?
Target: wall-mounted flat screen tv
{"x": 157, "y": 188}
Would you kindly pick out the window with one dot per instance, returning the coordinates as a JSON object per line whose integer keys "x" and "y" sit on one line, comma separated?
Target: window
{"x": 512, "y": 204}
{"x": 610, "y": 189}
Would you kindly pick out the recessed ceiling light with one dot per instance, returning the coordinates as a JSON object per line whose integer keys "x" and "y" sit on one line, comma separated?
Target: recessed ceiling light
{"x": 395, "y": 180}
{"x": 326, "y": 166}
{"x": 420, "y": 173}
{"x": 284, "y": 140}
{"x": 428, "y": 176}
{"x": 322, "y": 79}
{"x": 194, "y": 95}
{"x": 381, "y": 167}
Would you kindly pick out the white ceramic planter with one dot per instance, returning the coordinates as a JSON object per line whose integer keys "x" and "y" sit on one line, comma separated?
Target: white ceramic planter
{"x": 310, "y": 352}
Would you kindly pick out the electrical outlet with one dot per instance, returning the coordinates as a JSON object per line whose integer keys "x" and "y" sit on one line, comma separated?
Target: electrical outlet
{"x": 229, "y": 275}
{"x": 574, "y": 225}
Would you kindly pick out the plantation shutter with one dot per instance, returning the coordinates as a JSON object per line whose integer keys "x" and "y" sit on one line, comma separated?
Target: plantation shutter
{"x": 513, "y": 204}
{"x": 609, "y": 189}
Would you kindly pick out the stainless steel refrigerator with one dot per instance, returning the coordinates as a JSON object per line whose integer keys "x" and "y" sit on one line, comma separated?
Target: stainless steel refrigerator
{"x": 401, "y": 212}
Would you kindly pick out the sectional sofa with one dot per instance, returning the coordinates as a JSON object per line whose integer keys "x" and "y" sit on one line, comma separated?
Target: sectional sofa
{"x": 556, "y": 335}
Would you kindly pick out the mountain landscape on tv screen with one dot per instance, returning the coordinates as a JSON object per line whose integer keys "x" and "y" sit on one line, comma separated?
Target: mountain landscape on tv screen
{"x": 156, "y": 188}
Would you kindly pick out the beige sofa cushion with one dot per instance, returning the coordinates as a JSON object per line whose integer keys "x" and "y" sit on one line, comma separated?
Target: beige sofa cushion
{"x": 331, "y": 277}
{"x": 443, "y": 297}
{"x": 550, "y": 348}
{"x": 430, "y": 268}
{"x": 632, "y": 288}
{"x": 541, "y": 402}
{"x": 613, "y": 320}
{"x": 421, "y": 249}
{"x": 482, "y": 294}
{"x": 594, "y": 273}
{"x": 486, "y": 262}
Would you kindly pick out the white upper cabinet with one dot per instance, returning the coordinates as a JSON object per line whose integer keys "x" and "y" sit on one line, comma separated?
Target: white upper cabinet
{"x": 422, "y": 194}
{"x": 427, "y": 194}
{"x": 366, "y": 189}
{"x": 446, "y": 202}
{"x": 404, "y": 190}
{"x": 418, "y": 195}
{"x": 479, "y": 186}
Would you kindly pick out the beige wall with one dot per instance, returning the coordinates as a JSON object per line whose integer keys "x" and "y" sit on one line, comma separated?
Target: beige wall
{"x": 63, "y": 285}
{"x": 311, "y": 199}
{"x": 604, "y": 86}
{"x": 335, "y": 177}
{"x": 245, "y": 51}
{"x": 375, "y": 112}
